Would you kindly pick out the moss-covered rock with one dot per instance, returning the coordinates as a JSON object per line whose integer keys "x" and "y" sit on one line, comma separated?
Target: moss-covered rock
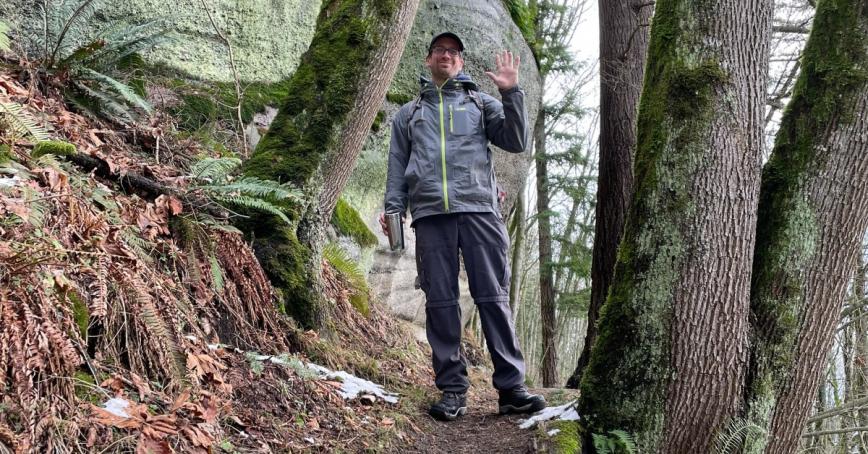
{"x": 53, "y": 147}
{"x": 347, "y": 221}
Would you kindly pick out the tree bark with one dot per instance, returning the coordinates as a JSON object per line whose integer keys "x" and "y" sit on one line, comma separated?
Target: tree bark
{"x": 313, "y": 142}
{"x": 672, "y": 348}
{"x": 549, "y": 365}
{"x": 517, "y": 230}
{"x": 623, "y": 45}
{"x": 813, "y": 214}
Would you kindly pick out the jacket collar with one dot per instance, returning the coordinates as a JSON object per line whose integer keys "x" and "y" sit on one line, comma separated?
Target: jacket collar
{"x": 460, "y": 83}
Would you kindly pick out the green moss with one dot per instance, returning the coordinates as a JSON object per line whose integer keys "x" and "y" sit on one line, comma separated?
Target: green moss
{"x": 378, "y": 121}
{"x": 5, "y": 153}
{"x": 524, "y": 18}
{"x": 567, "y": 440}
{"x": 399, "y": 98}
{"x": 80, "y": 312}
{"x": 85, "y": 387}
{"x": 347, "y": 221}
{"x": 625, "y": 383}
{"x": 53, "y": 147}
{"x": 359, "y": 301}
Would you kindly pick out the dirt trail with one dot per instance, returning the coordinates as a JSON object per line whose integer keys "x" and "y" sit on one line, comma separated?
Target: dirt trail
{"x": 481, "y": 430}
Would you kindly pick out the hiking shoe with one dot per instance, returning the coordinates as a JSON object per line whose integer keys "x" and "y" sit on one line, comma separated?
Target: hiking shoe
{"x": 518, "y": 400}
{"x": 451, "y": 406}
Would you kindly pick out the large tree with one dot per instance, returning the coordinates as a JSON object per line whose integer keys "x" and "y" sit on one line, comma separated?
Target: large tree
{"x": 813, "y": 214}
{"x": 623, "y": 43}
{"x": 671, "y": 354}
{"x": 314, "y": 141}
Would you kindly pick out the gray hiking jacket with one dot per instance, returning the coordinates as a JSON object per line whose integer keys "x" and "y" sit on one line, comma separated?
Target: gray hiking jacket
{"x": 439, "y": 160}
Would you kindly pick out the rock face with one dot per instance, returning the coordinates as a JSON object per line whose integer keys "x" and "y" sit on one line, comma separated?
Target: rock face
{"x": 268, "y": 36}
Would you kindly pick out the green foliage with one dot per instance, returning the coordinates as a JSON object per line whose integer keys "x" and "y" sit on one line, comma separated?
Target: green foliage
{"x": 347, "y": 221}
{"x": 21, "y": 123}
{"x": 88, "y": 63}
{"x": 398, "y": 98}
{"x": 341, "y": 261}
{"x": 523, "y": 17}
{"x": 731, "y": 439}
{"x": 53, "y": 147}
{"x": 4, "y": 37}
{"x": 212, "y": 176}
{"x": 615, "y": 442}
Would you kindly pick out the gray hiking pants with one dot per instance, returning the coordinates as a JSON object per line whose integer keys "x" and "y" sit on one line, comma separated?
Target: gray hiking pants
{"x": 484, "y": 244}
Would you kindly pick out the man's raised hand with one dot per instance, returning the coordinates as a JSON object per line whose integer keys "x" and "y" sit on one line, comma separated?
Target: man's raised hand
{"x": 506, "y": 74}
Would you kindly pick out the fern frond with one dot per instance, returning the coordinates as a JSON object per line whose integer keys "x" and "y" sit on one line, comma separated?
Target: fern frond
{"x": 737, "y": 432}
{"x": 125, "y": 91}
{"x": 625, "y": 440}
{"x": 74, "y": 25}
{"x": 4, "y": 37}
{"x": 216, "y": 273}
{"x": 254, "y": 204}
{"x": 21, "y": 122}
{"x": 341, "y": 261}
{"x": 255, "y": 187}
{"x": 214, "y": 168}
{"x": 101, "y": 103}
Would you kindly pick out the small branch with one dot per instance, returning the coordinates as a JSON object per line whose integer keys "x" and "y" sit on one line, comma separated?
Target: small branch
{"x": 145, "y": 186}
{"x": 790, "y": 28}
{"x": 836, "y": 431}
{"x": 238, "y": 92}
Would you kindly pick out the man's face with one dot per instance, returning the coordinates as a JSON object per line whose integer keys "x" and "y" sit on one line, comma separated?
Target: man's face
{"x": 442, "y": 64}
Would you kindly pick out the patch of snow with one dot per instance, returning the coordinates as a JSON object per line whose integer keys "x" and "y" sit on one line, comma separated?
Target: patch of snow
{"x": 117, "y": 407}
{"x": 565, "y": 412}
{"x": 553, "y": 432}
{"x": 352, "y": 386}
{"x": 9, "y": 182}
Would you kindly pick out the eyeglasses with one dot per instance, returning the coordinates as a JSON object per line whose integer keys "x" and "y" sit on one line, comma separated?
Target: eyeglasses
{"x": 439, "y": 50}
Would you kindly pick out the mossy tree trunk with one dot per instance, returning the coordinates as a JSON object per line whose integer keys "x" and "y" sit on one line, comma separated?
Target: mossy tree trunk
{"x": 813, "y": 213}
{"x": 623, "y": 44}
{"x": 672, "y": 349}
{"x": 333, "y": 98}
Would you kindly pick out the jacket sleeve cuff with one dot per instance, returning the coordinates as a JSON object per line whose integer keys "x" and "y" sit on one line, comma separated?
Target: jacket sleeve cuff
{"x": 511, "y": 90}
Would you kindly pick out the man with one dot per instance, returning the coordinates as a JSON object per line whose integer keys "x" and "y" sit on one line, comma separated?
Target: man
{"x": 439, "y": 162}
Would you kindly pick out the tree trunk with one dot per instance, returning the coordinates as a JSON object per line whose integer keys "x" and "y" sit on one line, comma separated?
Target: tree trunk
{"x": 313, "y": 142}
{"x": 546, "y": 286}
{"x": 623, "y": 45}
{"x": 671, "y": 352}
{"x": 812, "y": 217}
{"x": 517, "y": 231}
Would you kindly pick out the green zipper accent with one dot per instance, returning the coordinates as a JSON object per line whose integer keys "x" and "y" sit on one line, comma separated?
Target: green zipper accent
{"x": 451, "y": 129}
{"x": 443, "y": 150}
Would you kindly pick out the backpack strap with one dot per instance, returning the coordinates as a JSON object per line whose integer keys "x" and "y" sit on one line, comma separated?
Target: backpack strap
{"x": 480, "y": 103}
{"x": 417, "y": 104}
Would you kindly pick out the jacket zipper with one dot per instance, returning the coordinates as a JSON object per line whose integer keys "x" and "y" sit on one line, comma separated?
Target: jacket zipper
{"x": 451, "y": 129}
{"x": 443, "y": 149}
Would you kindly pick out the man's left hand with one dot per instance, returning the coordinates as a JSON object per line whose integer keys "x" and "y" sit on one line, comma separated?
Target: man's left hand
{"x": 506, "y": 75}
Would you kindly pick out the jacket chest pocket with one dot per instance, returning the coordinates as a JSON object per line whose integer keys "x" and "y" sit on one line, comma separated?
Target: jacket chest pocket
{"x": 463, "y": 119}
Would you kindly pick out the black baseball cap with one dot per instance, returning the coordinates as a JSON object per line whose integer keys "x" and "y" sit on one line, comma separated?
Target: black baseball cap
{"x": 446, "y": 35}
